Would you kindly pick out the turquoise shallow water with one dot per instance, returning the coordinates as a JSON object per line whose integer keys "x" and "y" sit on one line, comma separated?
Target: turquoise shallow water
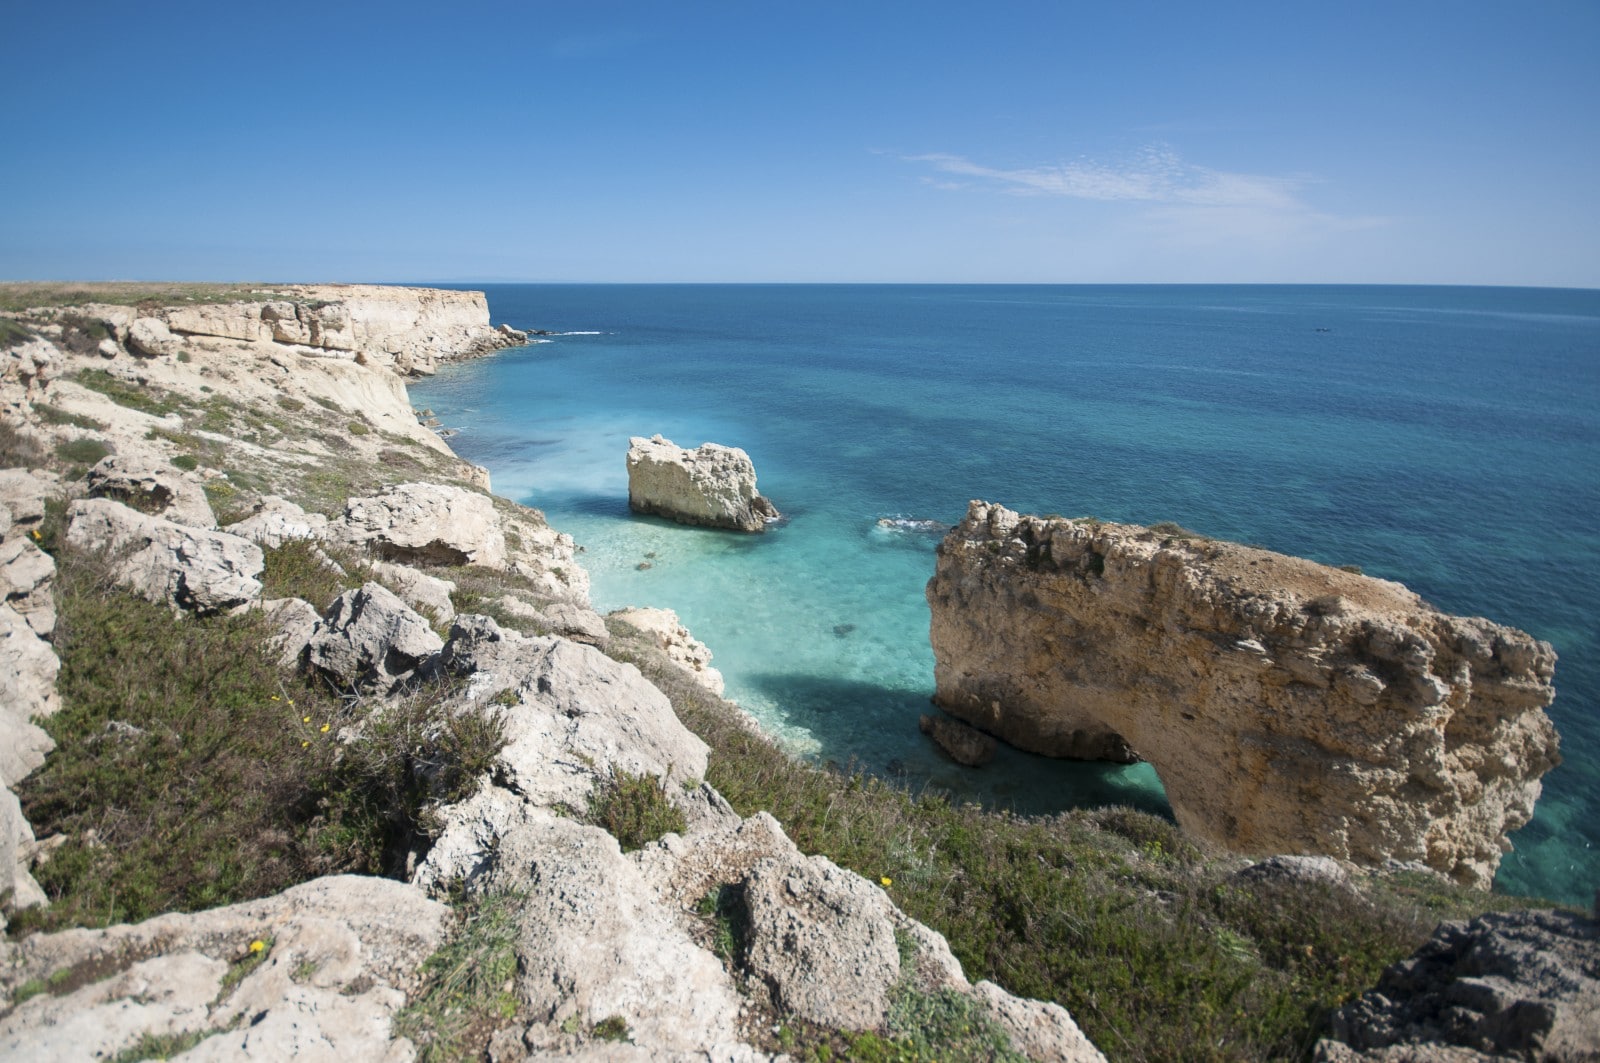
{"x": 1445, "y": 437}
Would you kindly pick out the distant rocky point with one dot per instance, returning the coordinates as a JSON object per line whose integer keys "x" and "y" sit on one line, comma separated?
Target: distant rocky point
{"x": 712, "y": 486}
{"x": 1288, "y": 707}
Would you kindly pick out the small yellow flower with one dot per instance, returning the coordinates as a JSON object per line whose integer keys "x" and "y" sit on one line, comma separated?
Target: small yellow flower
{"x": 324, "y": 728}
{"x": 886, "y": 880}
{"x": 258, "y": 945}
{"x": 306, "y": 743}
{"x": 36, "y": 535}
{"x": 305, "y": 719}
{"x": 274, "y": 697}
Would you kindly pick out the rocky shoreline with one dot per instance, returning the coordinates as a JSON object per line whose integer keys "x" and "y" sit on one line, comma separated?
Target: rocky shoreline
{"x": 190, "y": 456}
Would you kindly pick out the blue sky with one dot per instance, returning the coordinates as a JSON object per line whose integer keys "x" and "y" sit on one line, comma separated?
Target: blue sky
{"x": 1454, "y": 143}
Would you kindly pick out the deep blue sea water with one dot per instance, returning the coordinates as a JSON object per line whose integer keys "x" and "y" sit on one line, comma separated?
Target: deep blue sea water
{"x": 1448, "y": 438}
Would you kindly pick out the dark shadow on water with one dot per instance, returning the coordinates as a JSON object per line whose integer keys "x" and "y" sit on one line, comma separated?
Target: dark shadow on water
{"x": 611, "y": 507}
{"x": 873, "y": 729}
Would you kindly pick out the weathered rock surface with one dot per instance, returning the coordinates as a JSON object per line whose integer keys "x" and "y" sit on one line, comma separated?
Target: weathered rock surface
{"x": 577, "y": 715}
{"x": 152, "y": 487}
{"x": 190, "y": 568}
{"x": 410, "y": 330}
{"x": 343, "y": 952}
{"x": 28, "y": 663}
{"x": 1508, "y": 985}
{"x": 430, "y": 524}
{"x": 964, "y": 745}
{"x": 419, "y": 590}
{"x": 712, "y": 485}
{"x": 823, "y": 940}
{"x": 1289, "y": 707}
{"x": 275, "y": 521}
{"x": 667, "y": 632}
{"x": 25, "y": 370}
{"x": 369, "y": 638}
{"x": 295, "y": 621}
{"x": 150, "y": 336}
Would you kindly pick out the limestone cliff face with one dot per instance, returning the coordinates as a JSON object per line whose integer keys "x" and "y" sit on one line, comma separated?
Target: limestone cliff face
{"x": 1288, "y": 707}
{"x": 410, "y": 330}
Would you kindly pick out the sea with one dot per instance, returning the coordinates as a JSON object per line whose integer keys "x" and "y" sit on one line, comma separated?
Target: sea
{"x": 1445, "y": 437}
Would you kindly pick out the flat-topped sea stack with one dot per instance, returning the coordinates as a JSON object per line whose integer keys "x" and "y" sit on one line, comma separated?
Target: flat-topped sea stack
{"x": 1289, "y": 707}
{"x": 712, "y": 486}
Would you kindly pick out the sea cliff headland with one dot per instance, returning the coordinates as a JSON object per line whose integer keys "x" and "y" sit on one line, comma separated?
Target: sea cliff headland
{"x": 307, "y": 722}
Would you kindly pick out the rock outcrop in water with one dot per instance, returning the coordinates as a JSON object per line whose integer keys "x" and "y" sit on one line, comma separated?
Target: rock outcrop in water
{"x": 1289, "y": 707}
{"x": 712, "y": 485}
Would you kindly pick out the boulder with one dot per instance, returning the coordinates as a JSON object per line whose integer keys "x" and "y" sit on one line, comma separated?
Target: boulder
{"x": 418, "y": 589}
{"x": 295, "y": 622}
{"x": 152, "y": 487}
{"x": 574, "y": 715}
{"x": 427, "y": 524}
{"x": 1507, "y": 985}
{"x": 276, "y": 521}
{"x": 338, "y": 956}
{"x": 963, "y": 744}
{"x": 1288, "y": 707}
{"x": 369, "y": 638}
{"x": 190, "y": 568}
{"x": 822, "y": 939}
{"x": 712, "y": 485}
{"x": 662, "y": 627}
{"x": 17, "y": 887}
{"x": 150, "y": 336}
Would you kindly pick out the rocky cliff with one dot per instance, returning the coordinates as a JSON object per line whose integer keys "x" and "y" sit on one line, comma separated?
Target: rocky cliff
{"x": 1288, "y": 707}
{"x": 214, "y": 436}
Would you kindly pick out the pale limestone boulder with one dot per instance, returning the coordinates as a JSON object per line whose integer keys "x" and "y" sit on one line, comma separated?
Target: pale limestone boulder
{"x": 1508, "y": 985}
{"x": 712, "y": 485}
{"x": 190, "y": 568}
{"x": 1289, "y": 707}
{"x": 149, "y": 485}
{"x": 344, "y": 952}
{"x": 150, "y": 336}
{"x": 28, "y": 663}
{"x": 822, "y": 939}
{"x": 17, "y": 886}
{"x": 666, "y": 631}
{"x": 578, "y": 715}
{"x": 25, "y": 371}
{"x": 425, "y": 593}
{"x": 369, "y": 638}
{"x": 276, "y": 521}
{"x": 593, "y": 944}
{"x": 235, "y": 321}
{"x": 1038, "y": 1029}
{"x": 430, "y": 524}
{"x": 295, "y": 622}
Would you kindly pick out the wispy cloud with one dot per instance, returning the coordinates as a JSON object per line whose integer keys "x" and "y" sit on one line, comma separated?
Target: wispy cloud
{"x": 1154, "y": 175}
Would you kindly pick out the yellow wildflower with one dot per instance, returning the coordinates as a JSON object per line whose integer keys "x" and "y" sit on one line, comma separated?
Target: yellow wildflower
{"x": 306, "y": 743}
{"x": 258, "y": 945}
{"x": 886, "y": 880}
{"x": 325, "y": 727}
{"x": 274, "y": 697}
{"x": 305, "y": 719}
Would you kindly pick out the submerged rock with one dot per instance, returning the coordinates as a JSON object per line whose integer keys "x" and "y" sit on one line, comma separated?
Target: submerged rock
{"x": 964, "y": 744}
{"x": 712, "y": 485}
{"x": 1288, "y": 707}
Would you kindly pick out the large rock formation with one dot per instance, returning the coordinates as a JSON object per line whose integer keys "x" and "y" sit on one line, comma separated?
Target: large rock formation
{"x": 1288, "y": 707}
{"x": 712, "y": 485}
{"x": 190, "y": 568}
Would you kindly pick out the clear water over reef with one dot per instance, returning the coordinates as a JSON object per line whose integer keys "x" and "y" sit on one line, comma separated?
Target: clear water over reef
{"x": 1448, "y": 438}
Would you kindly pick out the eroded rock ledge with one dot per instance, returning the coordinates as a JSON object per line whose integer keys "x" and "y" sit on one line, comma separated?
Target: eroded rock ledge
{"x": 1289, "y": 707}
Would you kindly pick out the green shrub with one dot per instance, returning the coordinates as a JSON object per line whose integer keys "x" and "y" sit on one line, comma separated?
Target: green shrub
{"x": 82, "y": 451}
{"x": 145, "y": 400}
{"x": 298, "y": 568}
{"x": 186, "y": 462}
{"x": 13, "y": 333}
{"x": 635, "y": 809}
{"x": 357, "y": 428}
{"x": 464, "y": 996}
{"x": 55, "y": 415}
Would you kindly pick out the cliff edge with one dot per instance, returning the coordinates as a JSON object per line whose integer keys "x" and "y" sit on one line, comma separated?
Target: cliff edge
{"x": 1289, "y": 707}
